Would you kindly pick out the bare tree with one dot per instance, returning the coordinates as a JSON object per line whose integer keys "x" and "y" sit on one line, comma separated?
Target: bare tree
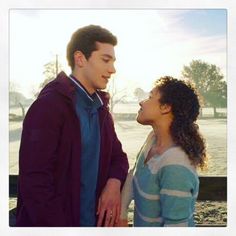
{"x": 16, "y": 98}
{"x": 115, "y": 95}
{"x": 140, "y": 94}
{"x": 50, "y": 72}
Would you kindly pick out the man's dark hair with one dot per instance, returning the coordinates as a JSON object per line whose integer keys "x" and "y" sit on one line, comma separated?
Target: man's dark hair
{"x": 84, "y": 40}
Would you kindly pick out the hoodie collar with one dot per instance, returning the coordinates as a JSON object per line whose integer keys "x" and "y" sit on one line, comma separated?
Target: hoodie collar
{"x": 67, "y": 88}
{"x": 83, "y": 89}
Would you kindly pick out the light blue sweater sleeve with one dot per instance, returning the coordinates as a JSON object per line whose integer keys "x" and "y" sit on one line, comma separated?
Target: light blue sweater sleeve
{"x": 127, "y": 195}
{"x": 178, "y": 191}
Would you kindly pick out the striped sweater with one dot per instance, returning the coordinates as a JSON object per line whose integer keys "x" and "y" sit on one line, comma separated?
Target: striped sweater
{"x": 164, "y": 189}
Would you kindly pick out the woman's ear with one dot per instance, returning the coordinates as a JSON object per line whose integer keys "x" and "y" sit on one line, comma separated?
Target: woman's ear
{"x": 79, "y": 58}
{"x": 165, "y": 109}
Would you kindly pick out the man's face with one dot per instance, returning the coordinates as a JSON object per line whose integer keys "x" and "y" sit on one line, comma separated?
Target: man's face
{"x": 98, "y": 68}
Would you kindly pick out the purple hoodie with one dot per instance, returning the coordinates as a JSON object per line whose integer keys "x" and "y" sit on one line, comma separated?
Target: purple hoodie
{"x": 49, "y": 157}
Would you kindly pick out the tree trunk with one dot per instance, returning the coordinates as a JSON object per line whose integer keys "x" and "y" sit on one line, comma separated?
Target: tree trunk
{"x": 23, "y": 110}
{"x": 201, "y": 115}
{"x": 215, "y": 113}
{"x": 111, "y": 105}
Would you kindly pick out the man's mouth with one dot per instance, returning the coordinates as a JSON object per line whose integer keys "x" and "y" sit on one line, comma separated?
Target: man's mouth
{"x": 106, "y": 77}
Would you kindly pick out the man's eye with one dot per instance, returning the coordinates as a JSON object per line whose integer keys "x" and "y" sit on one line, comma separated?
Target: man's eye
{"x": 106, "y": 60}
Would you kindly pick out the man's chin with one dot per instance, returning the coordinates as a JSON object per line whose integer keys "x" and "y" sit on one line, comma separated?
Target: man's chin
{"x": 102, "y": 87}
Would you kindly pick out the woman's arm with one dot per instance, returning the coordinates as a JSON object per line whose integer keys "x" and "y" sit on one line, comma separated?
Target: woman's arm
{"x": 126, "y": 198}
{"x": 177, "y": 193}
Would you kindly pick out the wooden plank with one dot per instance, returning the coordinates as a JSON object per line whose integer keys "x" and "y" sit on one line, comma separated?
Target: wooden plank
{"x": 13, "y": 185}
{"x": 211, "y": 225}
{"x": 12, "y": 217}
{"x": 213, "y": 188}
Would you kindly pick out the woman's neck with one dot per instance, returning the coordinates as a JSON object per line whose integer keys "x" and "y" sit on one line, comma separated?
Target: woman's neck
{"x": 164, "y": 139}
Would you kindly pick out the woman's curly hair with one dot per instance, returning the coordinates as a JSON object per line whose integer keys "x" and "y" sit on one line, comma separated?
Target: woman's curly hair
{"x": 184, "y": 100}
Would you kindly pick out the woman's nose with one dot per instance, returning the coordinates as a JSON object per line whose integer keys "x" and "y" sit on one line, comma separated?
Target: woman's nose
{"x": 141, "y": 103}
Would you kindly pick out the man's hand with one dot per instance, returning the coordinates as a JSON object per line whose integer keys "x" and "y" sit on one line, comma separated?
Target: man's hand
{"x": 109, "y": 203}
{"x": 122, "y": 223}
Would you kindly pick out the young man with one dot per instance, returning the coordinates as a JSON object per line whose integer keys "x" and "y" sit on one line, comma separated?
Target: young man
{"x": 71, "y": 163}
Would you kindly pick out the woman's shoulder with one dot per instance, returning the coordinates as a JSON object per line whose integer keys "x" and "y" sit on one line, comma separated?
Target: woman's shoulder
{"x": 176, "y": 156}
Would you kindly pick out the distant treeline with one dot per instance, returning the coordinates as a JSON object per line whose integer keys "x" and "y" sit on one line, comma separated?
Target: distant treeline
{"x": 206, "y": 113}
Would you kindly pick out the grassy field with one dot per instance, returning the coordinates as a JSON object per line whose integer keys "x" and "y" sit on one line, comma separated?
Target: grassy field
{"x": 132, "y": 136}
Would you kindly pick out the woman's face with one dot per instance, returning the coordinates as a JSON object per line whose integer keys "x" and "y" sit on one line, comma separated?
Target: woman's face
{"x": 150, "y": 108}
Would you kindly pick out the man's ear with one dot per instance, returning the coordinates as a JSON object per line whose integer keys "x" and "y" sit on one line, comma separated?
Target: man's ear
{"x": 165, "y": 109}
{"x": 79, "y": 58}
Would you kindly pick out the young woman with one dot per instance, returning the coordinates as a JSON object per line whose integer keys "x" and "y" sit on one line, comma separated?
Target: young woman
{"x": 164, "y": 183}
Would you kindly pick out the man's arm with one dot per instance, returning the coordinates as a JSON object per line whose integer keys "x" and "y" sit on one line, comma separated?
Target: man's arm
{"x": 109, "y": 201}
{"x": 39, "y": 142}
{"x": 119, "y": 162}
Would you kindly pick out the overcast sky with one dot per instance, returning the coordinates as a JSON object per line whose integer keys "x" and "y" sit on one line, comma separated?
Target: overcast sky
{"x": 180, "y": 36}
{"x": 151, "y": 43}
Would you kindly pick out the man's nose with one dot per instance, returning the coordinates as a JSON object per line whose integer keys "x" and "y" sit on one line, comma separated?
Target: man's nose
{"x": 112, "y": 69}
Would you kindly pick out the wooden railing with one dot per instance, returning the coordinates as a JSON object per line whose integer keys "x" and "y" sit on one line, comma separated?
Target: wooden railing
{"x": 212, "y": 188}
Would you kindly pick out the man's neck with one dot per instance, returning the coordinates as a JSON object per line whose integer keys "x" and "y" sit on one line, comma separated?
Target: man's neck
{"x": 83, "y": 82}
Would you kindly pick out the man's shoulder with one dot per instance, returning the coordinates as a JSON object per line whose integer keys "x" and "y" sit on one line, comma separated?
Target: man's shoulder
{"x": 50, "y": 99}
{"x": 58, "y": 89}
